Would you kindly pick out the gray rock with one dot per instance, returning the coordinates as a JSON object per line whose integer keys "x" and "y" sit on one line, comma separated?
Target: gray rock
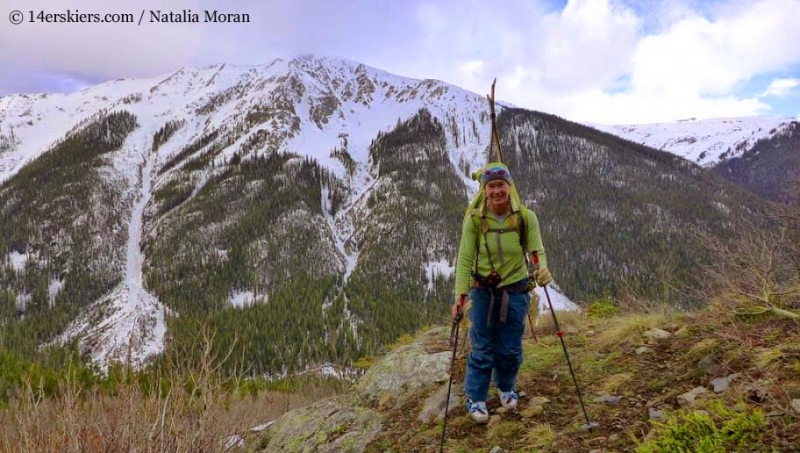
{"x": 406, "y": 371}
{"x": 796, "y": 405}
{"x": 656, "y": 414}
{"x": 642, "y": 350}
{"x": 433, "y": 407}
{"x": 606, "y": 398}
{"x": 657, "y": 334}
{"x": 331, "y": 425}
{"x": 709, "y": 365}
{"x": 723, "y": 383}
{"x": 688, "y": 399}
{"x": 757, "y": 392}
{"x": 497, "y": 449}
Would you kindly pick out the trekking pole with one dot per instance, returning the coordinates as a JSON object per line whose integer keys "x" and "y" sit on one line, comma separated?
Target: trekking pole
{"x": 531, "y": 326}
{"x": 530, "y": 323}
{"x": 589, "y": 425}
{"x": 454, "y": 344}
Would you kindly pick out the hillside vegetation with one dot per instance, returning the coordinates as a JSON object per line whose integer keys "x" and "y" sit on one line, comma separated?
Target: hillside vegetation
{"x": 768, "y": 167}
{"x": 654, "y": 379}
{"x": 64, "y": 215}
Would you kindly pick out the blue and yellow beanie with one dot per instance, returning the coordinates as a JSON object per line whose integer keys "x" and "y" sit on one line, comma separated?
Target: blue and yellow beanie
{"x": 495, "y": 170}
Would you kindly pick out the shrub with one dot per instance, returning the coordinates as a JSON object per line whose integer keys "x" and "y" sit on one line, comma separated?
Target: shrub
{"x": 603, "y": 308}
{"x": 716, "y": 430}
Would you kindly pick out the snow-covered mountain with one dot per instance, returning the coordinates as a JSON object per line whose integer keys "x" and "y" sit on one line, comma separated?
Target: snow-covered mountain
{"x": 307, "y": 209}
{"x": 707, "y": 142}
{"x": 313, "y": 104}
{"x": 309, "y": 106}
{"x": 312, "y": 107}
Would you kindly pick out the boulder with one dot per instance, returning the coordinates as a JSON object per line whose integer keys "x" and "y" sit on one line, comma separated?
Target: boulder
{"x": 348, "y": 423}
{"x": 406, "y": 371}
{"x": 433, "y": 407}
{"x": 331, "y": 425}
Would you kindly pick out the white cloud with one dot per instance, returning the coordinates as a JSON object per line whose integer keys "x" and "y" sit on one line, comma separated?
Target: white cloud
{"x": 711, "y": 56}
{"x": 781, "y": 87}
{"x": 601, "y": 61}
{"x": 537, "y": 55}
{"x": 624, "y": 108}
{"x": 586, "y": 44}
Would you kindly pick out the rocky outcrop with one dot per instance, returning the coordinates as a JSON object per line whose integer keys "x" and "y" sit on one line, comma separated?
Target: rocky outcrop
{"x": 332, "y": 425}
{"x": 348, "y": 423}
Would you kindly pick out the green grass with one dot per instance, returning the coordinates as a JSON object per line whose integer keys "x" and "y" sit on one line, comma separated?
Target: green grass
{"x": 718, "y": 429}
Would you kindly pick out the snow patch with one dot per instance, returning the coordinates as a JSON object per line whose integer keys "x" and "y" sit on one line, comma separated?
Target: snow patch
{"x": 234, "y": 441}
{"x": 243, "y": 299}
{"x": 557, "y": 298}
{"x": 127, "y": 325}
{"x": 721, "y": 207}
{"x": 53, "y": 288}
{"x": 262, "y": 426}
{"x": 439, "y": 268}
{"x": 328, "y": 369}
{"x": 17, "y": 260}
{"x": 22, "y": 301}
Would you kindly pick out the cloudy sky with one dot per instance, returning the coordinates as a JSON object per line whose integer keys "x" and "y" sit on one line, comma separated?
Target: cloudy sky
{"x": 604, "y": 61}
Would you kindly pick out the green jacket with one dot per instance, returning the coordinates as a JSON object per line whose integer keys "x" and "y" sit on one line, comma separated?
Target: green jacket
{"x": 504, "y": 248}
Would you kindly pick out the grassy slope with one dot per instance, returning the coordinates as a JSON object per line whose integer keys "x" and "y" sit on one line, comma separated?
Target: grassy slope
{"x": 762, "y": 350}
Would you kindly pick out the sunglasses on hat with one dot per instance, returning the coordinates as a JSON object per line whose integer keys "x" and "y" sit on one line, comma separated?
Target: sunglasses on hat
{"x": 496, "y": 172}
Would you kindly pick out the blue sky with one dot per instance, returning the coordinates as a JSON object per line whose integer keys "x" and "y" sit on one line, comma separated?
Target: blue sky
{"x": 604, "y": 61}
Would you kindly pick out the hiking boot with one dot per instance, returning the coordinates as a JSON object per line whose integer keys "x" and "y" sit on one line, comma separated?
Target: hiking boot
{"x": 509, "y": 400}
{"x": 478, "y": 411}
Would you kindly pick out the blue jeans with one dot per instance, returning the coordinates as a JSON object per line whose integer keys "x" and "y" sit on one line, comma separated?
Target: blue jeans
{"x": 496, "y": 347}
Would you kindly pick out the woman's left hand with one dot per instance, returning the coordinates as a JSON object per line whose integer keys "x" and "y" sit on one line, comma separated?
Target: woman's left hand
{"x": 542, "y": 277}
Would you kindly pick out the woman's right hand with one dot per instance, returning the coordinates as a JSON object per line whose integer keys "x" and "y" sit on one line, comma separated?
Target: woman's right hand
{"x": 458, "y": 305}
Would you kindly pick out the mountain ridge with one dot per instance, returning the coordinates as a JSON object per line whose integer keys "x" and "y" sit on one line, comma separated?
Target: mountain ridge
{"x": 708, "y": 142}
{"x": 293, "y": 181}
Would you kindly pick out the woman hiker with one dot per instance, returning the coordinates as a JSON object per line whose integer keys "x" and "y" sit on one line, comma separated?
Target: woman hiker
{"x": 492, "y": 267}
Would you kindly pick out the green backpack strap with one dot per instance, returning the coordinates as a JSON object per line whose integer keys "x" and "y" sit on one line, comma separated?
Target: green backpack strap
{"x": 477, "y": 226}
{"x": 522, "y": 227}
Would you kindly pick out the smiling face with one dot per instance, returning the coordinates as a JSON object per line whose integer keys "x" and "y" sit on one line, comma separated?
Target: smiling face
{"x": 497, "y": 196}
